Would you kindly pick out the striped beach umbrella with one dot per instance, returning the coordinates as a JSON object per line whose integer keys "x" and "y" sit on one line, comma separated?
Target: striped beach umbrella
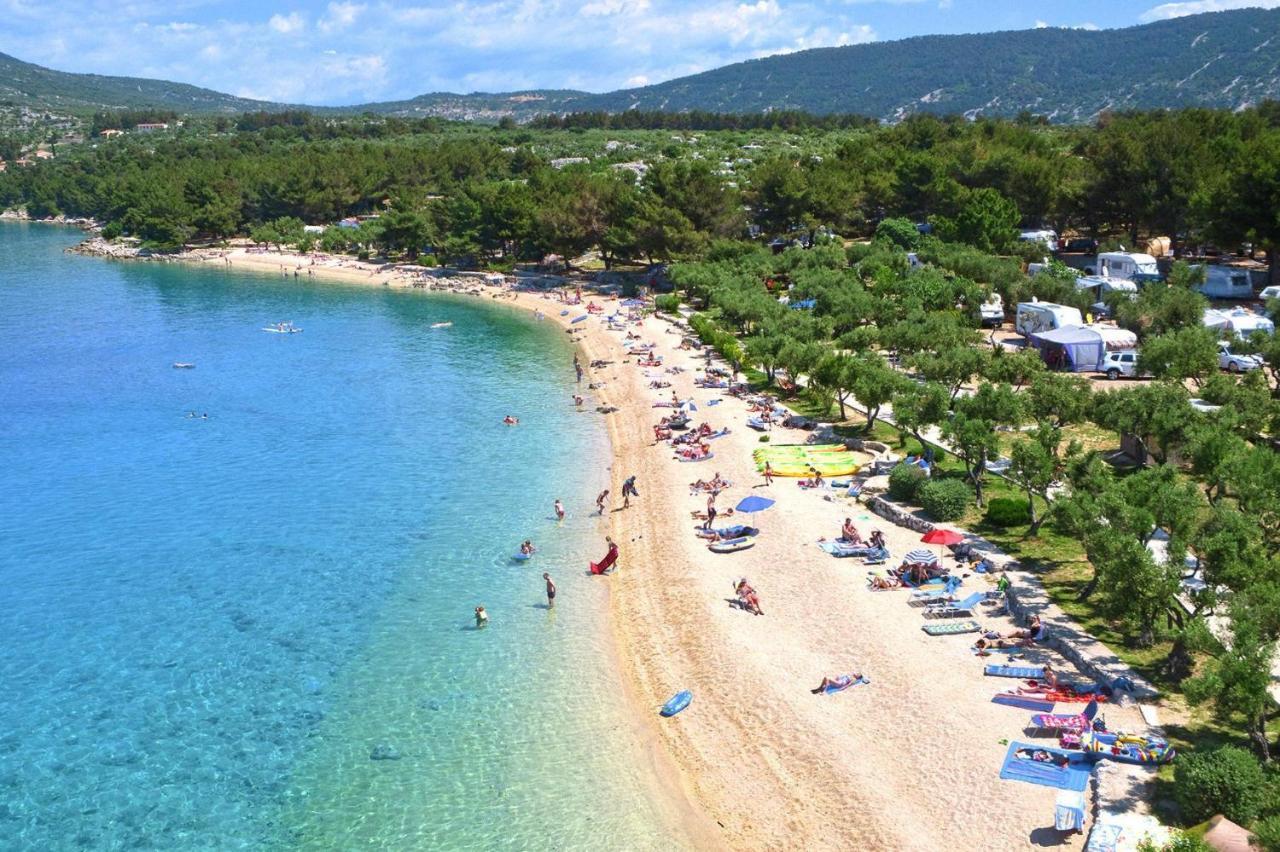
{"x": 921, "y": 556}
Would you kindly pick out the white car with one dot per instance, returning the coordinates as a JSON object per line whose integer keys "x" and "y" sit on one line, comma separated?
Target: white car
{"x": 1268, "y": 293}
{"x": 1233, "y": 363}
{"x": 1123, "y": 362}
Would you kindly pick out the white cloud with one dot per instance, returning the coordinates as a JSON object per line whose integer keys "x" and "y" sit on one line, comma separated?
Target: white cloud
{"x": 1042, "y": 25}
{"x": 1087, "y": 25}
{"x": 1165, "y": 11}
{"x": 340, "y": 16}
{"x": 291, "y": 23}
{"x": 637, "y": 80}
{"x": 605, "y": 8}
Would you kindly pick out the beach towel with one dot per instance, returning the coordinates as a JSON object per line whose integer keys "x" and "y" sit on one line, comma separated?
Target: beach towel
{"x": 1023, "y": 672}
{"x": 847, "y": 682}
{"x": 1073, "y": 776}
{"x": 840, "y": 550}
{"x": 951, "y": 628}
{"x": 605, "y": 564}
{"x": 982, "y": 652}
{"x": 1072, "y": 722}
{"x": 1022, "y": 702}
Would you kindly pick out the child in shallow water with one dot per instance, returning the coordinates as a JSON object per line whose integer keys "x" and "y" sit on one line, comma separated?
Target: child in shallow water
{"x": 482, "y": 618}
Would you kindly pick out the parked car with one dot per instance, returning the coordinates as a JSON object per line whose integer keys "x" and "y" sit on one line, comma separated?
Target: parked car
{"x": 1233, "y": 363}
{"x": 1123, "y": 362}
{"x": 992, "y": 311}
{"x": 1272, "y": 292}
{"x": 1082, "y": 245}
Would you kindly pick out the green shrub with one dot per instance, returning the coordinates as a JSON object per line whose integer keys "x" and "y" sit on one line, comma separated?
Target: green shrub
{"x": 764, "y": 439}
{"x": 904, "y": 482}
{"x": 1008, "y": 512}
{"x": 668, "y": 303}
{"x": 1227, "y": 780}
{"x": 1266, "y": 833}
{"x": 944, "y": 499}
{"x": 1180, "y": 842}
{"x": 112, "y": 230}
{"x": 428, "y": 260}
{"x": 900, "y": 232}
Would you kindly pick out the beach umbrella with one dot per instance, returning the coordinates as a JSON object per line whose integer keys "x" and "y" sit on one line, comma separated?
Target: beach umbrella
{"x": 921, "y": 556}
{"x": 688, "y": 405}
{"x": 751, "y": 505}
{"x": 942, "y": 538}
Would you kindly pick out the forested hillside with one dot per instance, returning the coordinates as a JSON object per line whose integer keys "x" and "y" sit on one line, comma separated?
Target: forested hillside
{"x": 1226, "y": 60}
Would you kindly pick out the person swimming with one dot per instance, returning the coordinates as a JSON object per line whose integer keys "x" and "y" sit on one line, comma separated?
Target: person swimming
{"x": 510, "y": 421}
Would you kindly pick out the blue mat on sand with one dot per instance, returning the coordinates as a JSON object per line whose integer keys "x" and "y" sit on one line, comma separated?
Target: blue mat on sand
{"x": 1025, "y": 672}
{"x": 1073, "y": 776}
{"x": 978, "y": 652}
{"x": 1023, "y": 702}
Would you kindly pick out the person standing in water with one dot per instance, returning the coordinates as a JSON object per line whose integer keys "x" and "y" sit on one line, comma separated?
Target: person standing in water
{"x": 482, "y": 618}
{"x": 629, "y": 491}
{"x": 551, "y": 590}
{"x": 559, "y": 510}
{"x": 601, "y": 499}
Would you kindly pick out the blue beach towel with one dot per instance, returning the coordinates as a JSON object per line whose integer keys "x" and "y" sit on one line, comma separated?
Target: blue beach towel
{"x": 1073, "y": 776}
{"x": 1024, "y": 672}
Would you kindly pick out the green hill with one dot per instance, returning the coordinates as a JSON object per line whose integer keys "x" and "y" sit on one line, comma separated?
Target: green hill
{"x": 1221, "y": 59}
{"x": 25, "y": 84}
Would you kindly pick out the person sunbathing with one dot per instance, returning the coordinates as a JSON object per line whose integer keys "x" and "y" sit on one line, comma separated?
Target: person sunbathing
{"x": 849, "y": 533}
{"x": 837, "y": 682}
{"x": 877, "y": 540}
{"x": 1040, "y": 755}
{"x": 747, "y": 597}
{"x": 1032, "y": 633}
{"x": 880, "y": 583}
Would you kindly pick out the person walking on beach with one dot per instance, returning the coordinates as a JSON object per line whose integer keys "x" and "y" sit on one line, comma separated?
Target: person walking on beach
{"x": 482, "y": 618}
{"x": 601, "y": 499}
{"x": 551, "y": 590}
{"x": 768, "y": 473}
{"x": 629, "y": 491}
{"x": 711, "y": 510}
{"x": 559, "y": 510}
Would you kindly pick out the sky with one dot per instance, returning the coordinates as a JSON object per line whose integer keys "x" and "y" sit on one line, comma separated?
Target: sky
{"x": 338, "y": 52}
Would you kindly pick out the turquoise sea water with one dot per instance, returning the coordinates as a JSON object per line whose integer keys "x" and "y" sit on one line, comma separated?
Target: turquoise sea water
{"x": 209, "y": 626}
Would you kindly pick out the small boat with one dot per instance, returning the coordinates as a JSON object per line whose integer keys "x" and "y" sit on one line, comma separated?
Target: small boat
{"x": 678, "y": 702}
{"x": 183, "y": 365}
{"x": 441, "y": 324}
{"x": 733, "y": 545}
{"x": 282, "y": 328}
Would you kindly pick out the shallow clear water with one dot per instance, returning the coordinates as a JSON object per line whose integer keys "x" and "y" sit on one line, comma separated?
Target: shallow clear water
{"x": 208, "y": 626}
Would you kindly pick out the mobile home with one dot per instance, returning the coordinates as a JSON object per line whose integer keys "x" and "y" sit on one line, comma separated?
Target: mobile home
{"x": 1046, "y": 236}
{"x": 1126, "y": 265}
{"x": 1225, "y": 282}
{"x": 1035, "y": 317}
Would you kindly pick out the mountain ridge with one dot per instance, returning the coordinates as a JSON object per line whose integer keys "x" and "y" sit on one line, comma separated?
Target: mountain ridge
{"x": 1214, "y": 59}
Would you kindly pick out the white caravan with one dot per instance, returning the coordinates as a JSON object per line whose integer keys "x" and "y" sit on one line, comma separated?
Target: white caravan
{"x": 1035, "y": 317}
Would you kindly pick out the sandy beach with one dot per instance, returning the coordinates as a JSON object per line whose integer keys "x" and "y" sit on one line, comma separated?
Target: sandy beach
{"x": 909, "y": 761}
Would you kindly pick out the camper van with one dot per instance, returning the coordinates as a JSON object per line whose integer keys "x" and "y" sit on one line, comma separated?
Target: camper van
{"x": 1126, "y": 265}
{"x": 1225, "y": 282}
{"x": 1046, "y": 236}
{"x": 992, "y": 310}
{"x": 1035, "y": 317}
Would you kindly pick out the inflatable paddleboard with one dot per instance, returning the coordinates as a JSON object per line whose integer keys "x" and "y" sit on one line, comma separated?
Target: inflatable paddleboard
{"x": 678, "y": 702}
{"x": 733, "y": 545}
{"x": 521, "y": 557}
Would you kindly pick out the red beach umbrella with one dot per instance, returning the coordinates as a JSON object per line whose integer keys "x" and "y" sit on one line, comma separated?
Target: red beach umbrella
{"x": 942, "y": 538}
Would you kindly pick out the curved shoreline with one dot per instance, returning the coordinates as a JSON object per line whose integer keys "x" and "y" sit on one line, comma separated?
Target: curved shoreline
{"x": 907, "y": 763}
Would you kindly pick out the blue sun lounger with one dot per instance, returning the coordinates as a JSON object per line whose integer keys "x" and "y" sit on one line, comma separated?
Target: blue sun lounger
{"x": 960, "y": 609}
{"x": 1022, "y": 672}
{"x": 930, "y": 596}
{"x": 1073, "y": 776}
